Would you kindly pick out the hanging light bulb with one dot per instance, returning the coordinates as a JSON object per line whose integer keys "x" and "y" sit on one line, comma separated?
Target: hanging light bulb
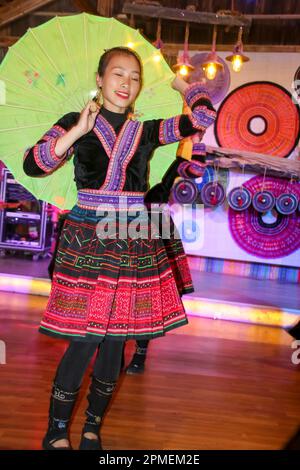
{"x": 212, "y": 64}
{"x": 210, "y": 70}
{"x": 237, "y": 63}
{"x": 184, "y": 70}
{"x": 184, "y": 66}
{"x": 158, "y": 43}
{"x": 237, "y": 58}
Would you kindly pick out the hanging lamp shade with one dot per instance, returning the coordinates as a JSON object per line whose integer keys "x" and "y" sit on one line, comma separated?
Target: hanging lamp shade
{"x": 184, "y": 65}
{"x": 212, "y": 64}
{"x": 237, "y": 58}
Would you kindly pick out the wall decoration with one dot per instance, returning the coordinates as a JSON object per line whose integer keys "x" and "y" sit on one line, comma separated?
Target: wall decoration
{"x": 263, "y": 201}
{"x": 296, "y": 85}
{"x": 239, "y": 199}
{"x": 259, "y": 117}
{"x": 287, "y": 203}
{"x": 184, "y": 191}
{"x": 213, "y": 194}
{"x": 269, "y": 234}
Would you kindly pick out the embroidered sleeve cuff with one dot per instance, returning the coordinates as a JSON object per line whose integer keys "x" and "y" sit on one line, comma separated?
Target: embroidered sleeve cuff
{"x": 199, "y": 152}
{"x": 44, "y": 152}
{"x": 202, "y": 117}
{"x": 194, "y": 93}
{"x": 203, "y": 114}
{"x": 169, "y": 130}
{"x": 191, "y": 169}
{"x": 199, "y": 149}
{"x": 45, "y": 156}
{"x": 54, "y": 133}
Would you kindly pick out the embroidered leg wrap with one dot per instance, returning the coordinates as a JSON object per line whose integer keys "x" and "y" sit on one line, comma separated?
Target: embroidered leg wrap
{"x": 99, "y": 397}
{"x": 60, "y": 410}
{"x": 139, "y": 356}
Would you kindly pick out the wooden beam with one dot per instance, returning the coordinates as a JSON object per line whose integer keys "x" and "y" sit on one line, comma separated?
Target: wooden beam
{"x": 279, "y": 17}
{"x": 16, "y": 9}
{"x": 176, "y": 14}
{"x": 171, "y": 49}
{"x": 218, "y": 18}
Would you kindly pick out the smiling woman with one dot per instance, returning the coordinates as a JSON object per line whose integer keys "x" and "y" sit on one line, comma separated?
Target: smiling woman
{"x": 119, "y": 78}
{"x": 108, "y": 290}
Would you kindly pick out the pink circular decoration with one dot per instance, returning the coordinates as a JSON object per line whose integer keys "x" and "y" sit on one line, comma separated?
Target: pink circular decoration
{"x": 270, "y": 235}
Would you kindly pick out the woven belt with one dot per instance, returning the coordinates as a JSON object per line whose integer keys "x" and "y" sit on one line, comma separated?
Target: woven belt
{"x": 92, "y": 199}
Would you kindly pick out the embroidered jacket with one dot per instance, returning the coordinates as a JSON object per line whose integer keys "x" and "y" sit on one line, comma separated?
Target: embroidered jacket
{"x": 117, "y": 158}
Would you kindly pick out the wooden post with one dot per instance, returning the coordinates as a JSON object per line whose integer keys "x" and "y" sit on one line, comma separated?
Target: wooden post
{"x": 105, "y": 8}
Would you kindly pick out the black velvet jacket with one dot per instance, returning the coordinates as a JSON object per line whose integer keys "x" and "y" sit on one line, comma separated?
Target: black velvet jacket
{"x": 92, "y": 157}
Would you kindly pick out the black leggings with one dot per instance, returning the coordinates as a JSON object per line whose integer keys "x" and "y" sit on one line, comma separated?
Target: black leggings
{"x": 71, "y": 369}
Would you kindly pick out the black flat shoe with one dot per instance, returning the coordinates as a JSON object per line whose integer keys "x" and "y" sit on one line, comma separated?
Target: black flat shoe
{"x": 294, "y": 331}
{"x": 135, "y": 368}
{"x": 294, "y": 442}
{"x": 137, "y": 364}
{"x": 48, "y": 445}
{"x": 90, "y": 444}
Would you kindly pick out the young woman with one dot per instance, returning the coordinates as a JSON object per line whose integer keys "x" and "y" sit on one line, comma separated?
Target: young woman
{"x": 158, "y": 194}
{"x": 107, "y": 290}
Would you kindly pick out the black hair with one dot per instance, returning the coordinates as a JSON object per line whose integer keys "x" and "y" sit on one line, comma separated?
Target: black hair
{"x": 109, "y": 53}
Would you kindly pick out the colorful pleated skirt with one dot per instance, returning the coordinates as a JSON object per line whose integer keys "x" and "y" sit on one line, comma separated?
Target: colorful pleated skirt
{"x": 115, "y": 275}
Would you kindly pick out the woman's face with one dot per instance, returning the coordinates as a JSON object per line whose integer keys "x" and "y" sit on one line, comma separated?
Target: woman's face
{"x": 120, "y": 83}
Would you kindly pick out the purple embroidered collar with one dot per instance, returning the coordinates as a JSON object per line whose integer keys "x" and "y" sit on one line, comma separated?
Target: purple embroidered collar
{"x": 119, "y": 149}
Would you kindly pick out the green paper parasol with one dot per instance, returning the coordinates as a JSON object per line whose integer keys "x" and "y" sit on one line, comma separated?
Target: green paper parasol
{"x": 51, "y": 71}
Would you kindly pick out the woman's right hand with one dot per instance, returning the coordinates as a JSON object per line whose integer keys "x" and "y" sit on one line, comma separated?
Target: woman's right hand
{"x": 84, "y": 125}
{"x": 87, "y": 117}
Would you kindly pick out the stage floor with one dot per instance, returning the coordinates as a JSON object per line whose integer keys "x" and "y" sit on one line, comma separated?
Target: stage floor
{"x": 226, "y": 297}
{"x": 25, "y": 266}
{"x": 208, "y": 385}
